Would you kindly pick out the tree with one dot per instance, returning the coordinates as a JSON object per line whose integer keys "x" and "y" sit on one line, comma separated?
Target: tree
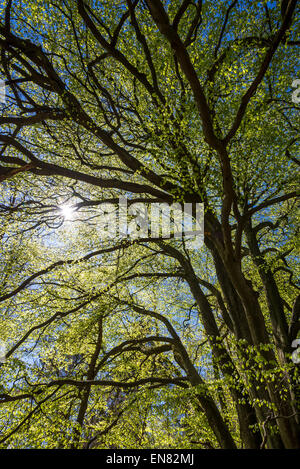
{"x": 128, "y": 343}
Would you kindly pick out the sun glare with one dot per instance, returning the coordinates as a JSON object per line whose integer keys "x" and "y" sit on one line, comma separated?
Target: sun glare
{"x": 67, "y": 211}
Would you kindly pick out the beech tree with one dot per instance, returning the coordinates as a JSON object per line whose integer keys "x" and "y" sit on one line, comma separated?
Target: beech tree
{"x": 144, "y": 343}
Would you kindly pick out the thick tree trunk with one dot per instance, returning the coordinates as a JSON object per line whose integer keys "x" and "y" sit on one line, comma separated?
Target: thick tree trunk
{"x": 288, "y": 428}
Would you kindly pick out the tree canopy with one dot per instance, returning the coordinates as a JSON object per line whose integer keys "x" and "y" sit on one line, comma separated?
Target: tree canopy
{"x": 145, "y": 343}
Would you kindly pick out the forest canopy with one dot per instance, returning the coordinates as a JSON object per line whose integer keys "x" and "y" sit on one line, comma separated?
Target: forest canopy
{"x": 141, "y": 342}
